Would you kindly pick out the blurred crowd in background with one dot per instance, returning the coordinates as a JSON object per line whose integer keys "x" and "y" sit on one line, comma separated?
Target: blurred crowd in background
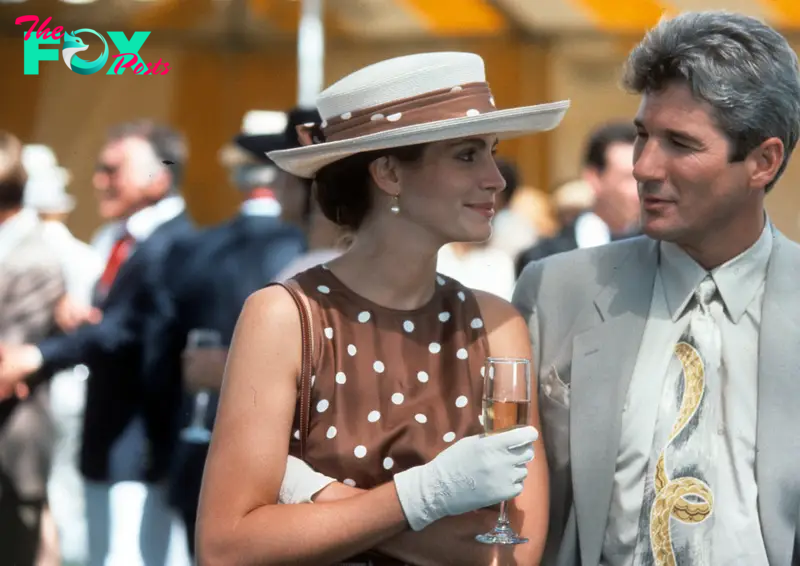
{"x": 108, "y": 464}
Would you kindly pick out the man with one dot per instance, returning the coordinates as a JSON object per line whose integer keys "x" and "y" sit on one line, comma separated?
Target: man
{"x": 45, "y": 193}
{"x": 608, "y": 170}
{"x": 30, "y": 285}
{"x": 668, "y": 364}
{"x": 128, "y": 432}
{"x": 211, "y": 275}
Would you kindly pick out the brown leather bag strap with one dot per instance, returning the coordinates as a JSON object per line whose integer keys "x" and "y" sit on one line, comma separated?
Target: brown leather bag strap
{"x": 306, "y": 366}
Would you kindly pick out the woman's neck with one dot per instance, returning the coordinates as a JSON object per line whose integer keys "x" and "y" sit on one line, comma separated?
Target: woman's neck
{"x": 392, "y": 271}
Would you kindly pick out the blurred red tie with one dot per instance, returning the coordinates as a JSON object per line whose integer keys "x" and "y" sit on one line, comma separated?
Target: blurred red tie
{"x": 119, "y": 253}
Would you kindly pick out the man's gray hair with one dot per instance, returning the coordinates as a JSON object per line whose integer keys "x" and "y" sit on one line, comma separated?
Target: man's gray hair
{"x": 740, "y": 66}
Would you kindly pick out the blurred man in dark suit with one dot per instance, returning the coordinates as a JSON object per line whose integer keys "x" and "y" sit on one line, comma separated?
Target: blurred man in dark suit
{"x": 31, "y": 282}
{"x": 608, "y": 171}
{"x": 210, "y": 277}
{"x": 128, "y": 437}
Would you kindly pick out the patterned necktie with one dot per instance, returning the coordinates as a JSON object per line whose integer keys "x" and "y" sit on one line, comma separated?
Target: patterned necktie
{"x": 677, "y": 515}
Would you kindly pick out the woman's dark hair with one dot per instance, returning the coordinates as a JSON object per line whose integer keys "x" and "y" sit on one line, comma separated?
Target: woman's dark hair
{"x": 343, "y": 189}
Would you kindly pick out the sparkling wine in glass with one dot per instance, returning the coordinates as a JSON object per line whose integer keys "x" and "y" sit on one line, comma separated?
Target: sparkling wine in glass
{"x": 506, "y": 405}
{"x": 197, "y": 432}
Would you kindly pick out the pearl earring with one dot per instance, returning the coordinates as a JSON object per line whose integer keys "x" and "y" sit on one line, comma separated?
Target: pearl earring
{"x": 395, "y": 208}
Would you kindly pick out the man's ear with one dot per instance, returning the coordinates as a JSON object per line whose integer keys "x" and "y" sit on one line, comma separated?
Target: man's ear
{"x": 764, "y": 162}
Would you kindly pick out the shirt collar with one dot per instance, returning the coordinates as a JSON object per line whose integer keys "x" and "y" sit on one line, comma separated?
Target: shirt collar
{"x": 738, "y": 279}
{"x": 143, "y": 223}
{"x": 269, "y": 207}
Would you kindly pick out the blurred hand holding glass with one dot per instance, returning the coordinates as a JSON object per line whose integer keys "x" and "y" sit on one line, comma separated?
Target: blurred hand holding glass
{"x": 203, "y": 346}
{"x": 506, "y": 405}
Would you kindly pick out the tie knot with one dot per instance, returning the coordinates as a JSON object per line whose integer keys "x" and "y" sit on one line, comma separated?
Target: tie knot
{"x": 705, "y": 291}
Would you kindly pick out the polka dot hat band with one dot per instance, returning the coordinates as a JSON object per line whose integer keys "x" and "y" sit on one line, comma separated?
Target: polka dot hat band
{"x": 409, "y": 100}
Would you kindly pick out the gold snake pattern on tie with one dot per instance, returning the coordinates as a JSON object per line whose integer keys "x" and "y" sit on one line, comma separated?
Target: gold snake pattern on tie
{"x": 671, "y": 495}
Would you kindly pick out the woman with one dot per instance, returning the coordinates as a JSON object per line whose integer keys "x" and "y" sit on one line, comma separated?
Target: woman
{"x": 404, "y": 158}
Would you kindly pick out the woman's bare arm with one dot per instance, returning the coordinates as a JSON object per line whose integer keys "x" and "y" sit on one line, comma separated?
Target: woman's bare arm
{"x": 452, "y": 540}
{"x": 239, "y": 522}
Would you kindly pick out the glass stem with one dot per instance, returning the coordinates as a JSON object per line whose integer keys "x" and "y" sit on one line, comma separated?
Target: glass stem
{"x": 502, "y": 520}
{"x": 200, "y": 405}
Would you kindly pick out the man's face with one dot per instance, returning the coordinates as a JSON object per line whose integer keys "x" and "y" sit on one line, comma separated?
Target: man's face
{"x": 688, "y": 187}
{"x": 615, "y": 186}
{"x": 128, "y": 177}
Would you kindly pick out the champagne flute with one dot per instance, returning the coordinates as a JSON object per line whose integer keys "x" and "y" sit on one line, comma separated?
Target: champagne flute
{"x": 506, "y": 405}
{"x": 197, "y": 432}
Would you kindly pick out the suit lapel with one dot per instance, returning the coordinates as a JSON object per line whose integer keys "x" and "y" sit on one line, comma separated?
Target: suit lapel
{"x": 778, "y": 439}
{"x": 603, "y": 358}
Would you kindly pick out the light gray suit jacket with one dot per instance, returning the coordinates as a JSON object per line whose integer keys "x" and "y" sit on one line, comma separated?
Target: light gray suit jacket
{"x": 31, "y": 282}
{"x": 586, "y": 313}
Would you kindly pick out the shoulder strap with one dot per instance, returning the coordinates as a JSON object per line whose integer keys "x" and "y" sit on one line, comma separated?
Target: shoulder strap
{"x": 307, "y": 330}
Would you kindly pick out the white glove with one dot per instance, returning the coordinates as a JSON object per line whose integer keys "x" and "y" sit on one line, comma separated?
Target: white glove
{"x": 475, "y": 472}
{"x": 301, "y": 482}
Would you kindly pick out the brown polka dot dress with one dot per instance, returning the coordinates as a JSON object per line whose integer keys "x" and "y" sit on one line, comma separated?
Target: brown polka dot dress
{"x": 391, "y": 389}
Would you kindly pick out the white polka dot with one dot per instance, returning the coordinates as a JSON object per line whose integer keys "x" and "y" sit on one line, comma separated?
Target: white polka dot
{"x": 394, "y": 117}
{"x": 363, "y": 316}
{"x": 472, "y": 112}
{"x": 324, "y": 289}
{"x": 324, "y": 124}
{"x": 349, "y": 482}
{"x": 456, "y": 89}
{"x": 398, "y": 398}
{"x": 376, "y": 117}
{"x": 449, "y": 437}
{"x": 360, "y": 451}
{"x": 323, "y": 405}
{"x": 423, "y": 377}
{"x": 420, "y": 418}
{"x": 476, "y": 323}
{"x": 440, "y": 280}
{"x": 461, "y": 296}
{"x": 313, "y": 379}
{"x": 491, "y": 100}
{"x": 461, "y": 402}
{"x": 341, "y": 378}
{"x": 329, "y": 333}
{"x": 462, "y": 354}
{"x": 483, "y": 371}
{"x": 351, "y": 349}
{"x": 378, "y": 366}
{"x": 374, "y": 416}
{"x": 388, "y": 463}
{"x": 331, "y": 432}
{"x": 408, "y": 326}
{"x": 434, "y": 347}
{"x": 480, "y": 419}
{"x": 296, "y": 435}
{"x": 347, "y": 115}
{"x": 444, "y": 316}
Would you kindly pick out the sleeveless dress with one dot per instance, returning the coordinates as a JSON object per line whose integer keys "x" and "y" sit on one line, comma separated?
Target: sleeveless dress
{"x": 391, "y": 389}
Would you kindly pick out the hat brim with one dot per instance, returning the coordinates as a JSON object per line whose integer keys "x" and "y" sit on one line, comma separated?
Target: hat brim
{"x": 245, "y": 148}
{"x": 513, "y": 122}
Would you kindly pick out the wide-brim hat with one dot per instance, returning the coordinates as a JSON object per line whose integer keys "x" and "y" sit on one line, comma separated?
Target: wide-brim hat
{"x": 409, "y": 100}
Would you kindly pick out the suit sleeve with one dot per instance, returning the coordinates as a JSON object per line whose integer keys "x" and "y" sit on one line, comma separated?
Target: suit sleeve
{"x": 117, "y": 333}
{"x": 33, "y": 312}
{"x": 524, "y": 298}
{"x": 282, "y": 252}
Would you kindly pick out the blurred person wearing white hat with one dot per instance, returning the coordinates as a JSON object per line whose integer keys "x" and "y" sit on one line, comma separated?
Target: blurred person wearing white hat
{"x": 46, "y": 194}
